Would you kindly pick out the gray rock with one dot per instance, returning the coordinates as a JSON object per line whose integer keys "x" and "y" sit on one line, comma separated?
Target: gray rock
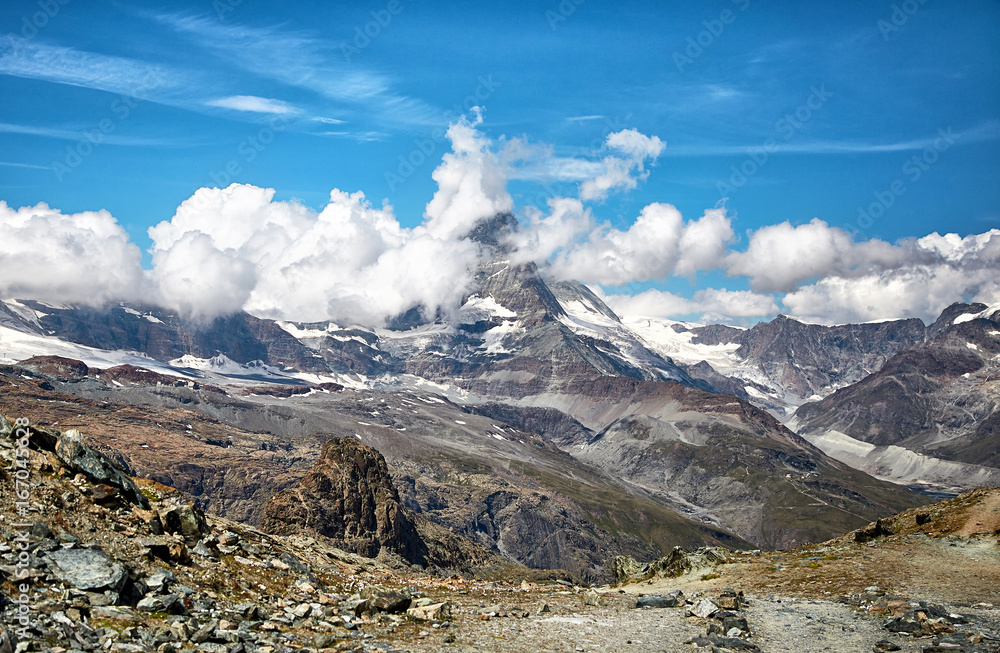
{"x": 704, "y": 608}
{"x": 385, "y": 600}
{"x": 433, "y": 612}
{"x": 162, "y": 603}
{"x": 202, "y": 550}
{"x": 87, "y": 569}
{"x": 205, "y": 632}
{"x": 160, "y": 580}
{"x": 184, "y": 519}
{"x": 69, "y": 448}
{"x": 658, "y": 602}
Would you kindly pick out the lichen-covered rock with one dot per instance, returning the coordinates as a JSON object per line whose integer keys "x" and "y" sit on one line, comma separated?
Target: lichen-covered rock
{"x": 348, "y": 496}
{"x": 87, "y": 569}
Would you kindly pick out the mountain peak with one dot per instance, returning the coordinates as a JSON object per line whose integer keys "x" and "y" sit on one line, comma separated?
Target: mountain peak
{"x": 494, "y": 230}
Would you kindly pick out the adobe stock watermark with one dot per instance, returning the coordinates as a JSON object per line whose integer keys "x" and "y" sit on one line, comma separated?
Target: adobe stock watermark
{"x": 424, "y": 148}
{"x": 912, "y": 171}
{"x": 48, "y": 9}
{"x": 365, "y": 34}
{"x": 901, "y": 14}
{"x": 786, "y": 129}
{"x": 225, "y": 7}
{"x": 121, "y": 108}
{"x": 562, "y": 12}
{"x": 695, "y": 46}
{"x": 248, "y": 150}
{"x": 20, "y": 469}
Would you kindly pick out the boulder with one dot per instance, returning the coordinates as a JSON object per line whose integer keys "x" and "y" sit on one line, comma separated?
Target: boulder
{"x": 186, "y": 520}
{"x": 432, "y": 612}
{"x": 704, "y": 608}
{"x": 161, "y": 603}
{"x": 625, "y": 568}
{"x": 658, "y": 602}
{"x": 87, "y": 569}
{"x": 385, "y": 600}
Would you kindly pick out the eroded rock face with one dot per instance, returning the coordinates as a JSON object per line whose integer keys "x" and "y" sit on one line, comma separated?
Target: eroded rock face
{"x": 348, "y": 496}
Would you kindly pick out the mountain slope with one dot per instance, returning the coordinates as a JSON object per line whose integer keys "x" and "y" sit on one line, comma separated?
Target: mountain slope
{"x": 931, "y": 413}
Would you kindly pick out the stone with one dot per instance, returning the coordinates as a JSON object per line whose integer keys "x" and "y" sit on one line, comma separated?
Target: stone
{"x": 873, "y": 532}
{"x": 161, "y": 603}
{"x": 704, "y": 609}
{"x": 160, "y": 580}
{"x": 592, "y": 598}
{"x": 150, "y": 518}
{"x": 658, "y": 602}
{"x": 884, "y": 645}
{"x": 432, "y": 612}
{"x": 71, "y": 450}
{"x": 202, "y": 550}
{"x": 541, "y": 607}
{"x": 117, "y": 614}
{"x": 87, "y": 569}
{"x": 385, "y": 600}
{"x": 186, "y": 520}
{"x": 206, "y": 631}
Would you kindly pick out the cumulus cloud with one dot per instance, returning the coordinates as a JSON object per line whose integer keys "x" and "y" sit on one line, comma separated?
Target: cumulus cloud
{"x": 658, "y": 244}
{"x": 82, "y": 258}
{"x": 471, "y": 184}
{"x": 711, "y": 304}
{"x": 931, "y": 273}
{"x": 624, "y": 170}
{"x": 780, "y": 257}
{"x": 351, "y": 261}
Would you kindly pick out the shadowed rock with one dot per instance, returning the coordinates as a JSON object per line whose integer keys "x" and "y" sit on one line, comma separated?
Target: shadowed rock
{"x": 348, "y": 496}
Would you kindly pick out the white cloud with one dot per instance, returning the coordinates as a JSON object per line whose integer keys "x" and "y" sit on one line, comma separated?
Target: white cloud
{"x": 622, "y": 172}
{"x": 780, "y": 257}
{"x": 350, "y": 261}
{"x": 83, "y": 258}
{"x": 254, "y": 104}
{"x": 932, "y": 273}
{"x": 471, "y": 184}
{"x": 658, "y": 244}
{"x": 711, "y": 303}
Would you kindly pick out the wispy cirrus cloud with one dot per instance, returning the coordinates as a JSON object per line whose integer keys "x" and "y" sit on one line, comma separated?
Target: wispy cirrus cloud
{"x": 79, "y": 134}
{"x": 254, "y": 104}
{"x": 62, "y": 65}
{"x": 303, "y": 62}
{"x": 987, "y": 131}
{"x": 31, "y": 166}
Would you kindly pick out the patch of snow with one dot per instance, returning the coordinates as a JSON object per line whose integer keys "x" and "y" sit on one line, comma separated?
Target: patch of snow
{"x": 498, "y": 437}
{"x": 479, "y": 308}
{"x": 493, "y": 338}
{"x": 458, "y": 421}
{"x": 972, "y": 346}
{"x": 131, "y": 311}
{"x": 153, "y": 319}
{"x": 968, "y": 317}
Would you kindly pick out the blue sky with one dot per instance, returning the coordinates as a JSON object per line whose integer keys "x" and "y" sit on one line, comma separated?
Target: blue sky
{"x": 825, "y": 105}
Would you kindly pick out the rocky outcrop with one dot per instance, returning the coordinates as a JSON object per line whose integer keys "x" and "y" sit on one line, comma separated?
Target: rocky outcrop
{"x": 348, "y": 496}
{"x": 70, "y": 450}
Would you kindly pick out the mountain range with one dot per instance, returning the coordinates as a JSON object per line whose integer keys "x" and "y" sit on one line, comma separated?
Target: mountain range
{"x": 534, "y": 420}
